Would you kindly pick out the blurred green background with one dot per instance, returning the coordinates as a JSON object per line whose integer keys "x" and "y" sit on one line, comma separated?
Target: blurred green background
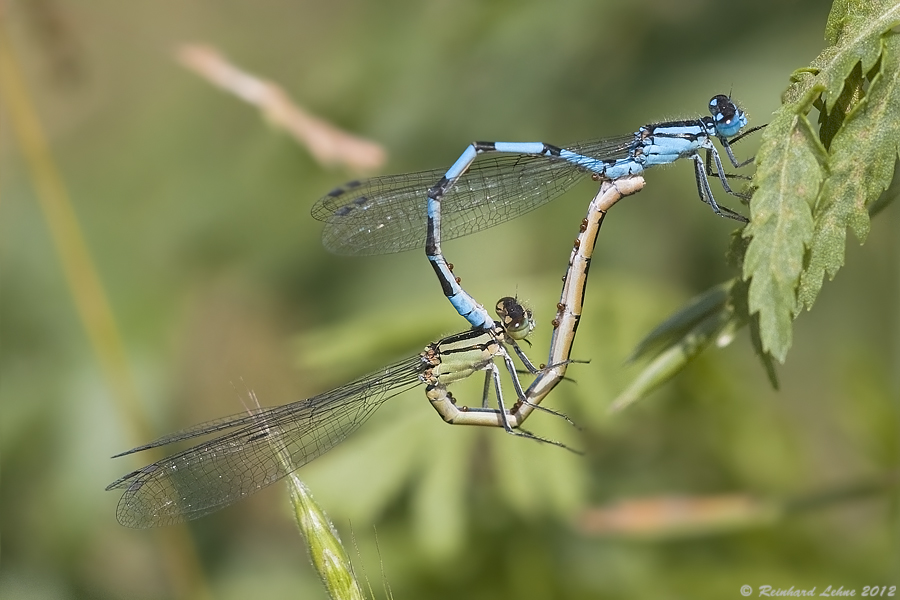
{"x": 196, "y": 215}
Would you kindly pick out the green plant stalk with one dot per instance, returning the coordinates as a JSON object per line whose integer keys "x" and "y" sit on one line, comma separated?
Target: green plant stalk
{"x": 324, "y": 544}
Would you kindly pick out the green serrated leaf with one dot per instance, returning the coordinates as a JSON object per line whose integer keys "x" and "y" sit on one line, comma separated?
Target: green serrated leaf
{"x": 890, "y": 195}
{"x": 789, "y": 176}
{"x": 852, "y": 31}
{"x": 830, "y": 122}
{"x": 738, "y": 301}
{"x": 842, "y": 12}
{"x": 863, "y": 156}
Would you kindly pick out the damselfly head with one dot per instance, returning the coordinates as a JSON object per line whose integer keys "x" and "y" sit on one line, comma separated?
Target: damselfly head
{"x": 517, "y": 320}
{"x": 729, "y": 119}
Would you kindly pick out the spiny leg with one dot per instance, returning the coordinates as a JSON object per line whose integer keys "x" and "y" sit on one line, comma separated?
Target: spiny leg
{"x": 706, "y": 194}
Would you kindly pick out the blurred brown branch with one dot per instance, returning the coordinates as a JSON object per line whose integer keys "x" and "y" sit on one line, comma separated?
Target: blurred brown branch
{"x": 669, "y": 516}
{"x": 329, "y": 145}
{"x": 676, "y": 516}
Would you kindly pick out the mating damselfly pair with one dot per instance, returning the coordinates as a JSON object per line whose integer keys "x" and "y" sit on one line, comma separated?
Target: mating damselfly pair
{"x": 247, "y": 452}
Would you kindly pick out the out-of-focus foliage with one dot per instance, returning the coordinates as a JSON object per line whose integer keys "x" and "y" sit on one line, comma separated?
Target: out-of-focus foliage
{"x": 196, "y": 214}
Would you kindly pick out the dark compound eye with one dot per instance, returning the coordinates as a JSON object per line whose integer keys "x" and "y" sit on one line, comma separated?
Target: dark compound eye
{"x": 516, "y": 319}
{"x": 719, "y": 104}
